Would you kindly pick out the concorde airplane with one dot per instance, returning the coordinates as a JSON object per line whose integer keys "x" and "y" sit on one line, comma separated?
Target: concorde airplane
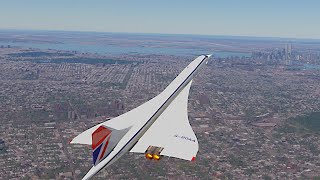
{"x": 159, "y": 127}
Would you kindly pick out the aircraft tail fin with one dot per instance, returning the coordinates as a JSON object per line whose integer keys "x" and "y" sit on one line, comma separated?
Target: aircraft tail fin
{"x": 104, "y": 139}
{"x": 100, "y": 141}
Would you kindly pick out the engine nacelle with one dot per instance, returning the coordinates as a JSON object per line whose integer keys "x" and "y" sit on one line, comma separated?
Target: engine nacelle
{"x": 153, "y": 152}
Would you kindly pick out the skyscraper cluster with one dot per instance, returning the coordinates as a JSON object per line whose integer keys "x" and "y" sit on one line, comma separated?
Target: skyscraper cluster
{"x": 288, "y": 53}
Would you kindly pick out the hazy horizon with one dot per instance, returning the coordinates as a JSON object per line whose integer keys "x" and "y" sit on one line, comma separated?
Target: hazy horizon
{"x": 286, "y": 19}
{"x": 154, "y": 33}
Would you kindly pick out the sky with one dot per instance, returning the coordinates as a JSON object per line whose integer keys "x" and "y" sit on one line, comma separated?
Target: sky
{"x": 260, "y": 18}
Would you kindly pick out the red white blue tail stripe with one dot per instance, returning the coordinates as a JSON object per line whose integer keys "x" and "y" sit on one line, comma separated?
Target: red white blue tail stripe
{"x": 100, "y": 141}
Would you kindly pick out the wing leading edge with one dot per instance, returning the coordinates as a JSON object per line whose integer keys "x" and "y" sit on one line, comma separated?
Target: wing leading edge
{"x": 144, "y": 111}
{"x": 172, "y": 131}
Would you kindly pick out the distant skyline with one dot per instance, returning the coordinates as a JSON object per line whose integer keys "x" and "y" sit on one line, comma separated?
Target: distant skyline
{"x": 272, "y": 18}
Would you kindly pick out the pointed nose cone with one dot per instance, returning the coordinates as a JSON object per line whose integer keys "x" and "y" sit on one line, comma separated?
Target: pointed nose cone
{"x": 208, "y": 57}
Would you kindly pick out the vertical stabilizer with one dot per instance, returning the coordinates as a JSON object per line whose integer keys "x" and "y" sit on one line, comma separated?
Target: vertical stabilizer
{"x": 100, "y": 141}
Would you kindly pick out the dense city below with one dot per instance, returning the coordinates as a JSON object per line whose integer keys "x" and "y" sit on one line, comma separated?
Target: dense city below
{"x": 256, "y": 117}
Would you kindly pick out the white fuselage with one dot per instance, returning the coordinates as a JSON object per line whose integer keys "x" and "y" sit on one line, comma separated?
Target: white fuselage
{"x": 162, "y": 101}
